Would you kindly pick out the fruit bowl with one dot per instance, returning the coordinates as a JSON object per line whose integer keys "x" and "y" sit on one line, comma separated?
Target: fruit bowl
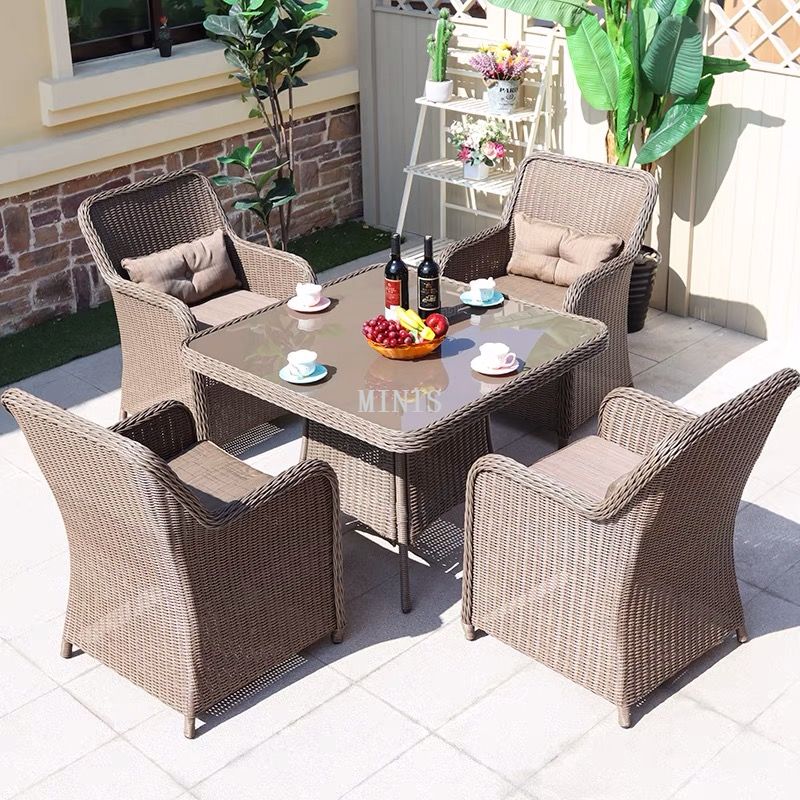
{"x": 407, "y": 352}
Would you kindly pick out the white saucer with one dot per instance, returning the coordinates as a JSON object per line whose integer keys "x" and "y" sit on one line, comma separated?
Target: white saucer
{"x": 494, "y": 300}
{"x": 296, "y": 305}
{"x": 478, "y": 366}
{"x": 317, "y": 375}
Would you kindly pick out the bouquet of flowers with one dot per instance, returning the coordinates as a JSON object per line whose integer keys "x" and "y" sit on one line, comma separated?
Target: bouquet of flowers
{"x": 479, "y": 141}
{"x": 501, "y": 62}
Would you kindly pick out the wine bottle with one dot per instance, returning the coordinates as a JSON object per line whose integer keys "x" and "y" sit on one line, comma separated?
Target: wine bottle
{"x": 395, "y": 279}
{"x": 428, "y": 289}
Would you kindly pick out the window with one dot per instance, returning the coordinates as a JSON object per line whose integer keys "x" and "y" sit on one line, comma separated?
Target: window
{"x": 100, "y": 28}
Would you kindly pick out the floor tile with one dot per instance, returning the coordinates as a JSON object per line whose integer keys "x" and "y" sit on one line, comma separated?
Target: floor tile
{"x": 666, "y": 334}
{"x": 44, "y": 736}
{"x": 506, "y": 427}
{"x": 368, "y": 562}
{"x": 323, "y": 755}
{"x": 650, "y": 760}
{"x": 748, "y": 679}
{"x": 221, "y": 739}
{"x": 20, "y": 681}
{"x": 640, "y": 363}
{"x": 118, "y": 702}
{"x": 33, "y": 596}
{"x": 749, "y": 767}
{"x": 436, "y": 697}
{"x": 115, "y": 770}
{"x": 435, "y": 770}
{"x": 103, "y": 369}
{"x": 279, "y": 451}
{"x": 520, "y": 726}
{"x": 42, "y": 645}
{"x": 780, "y": 722}
{"x": 529, "y": 449}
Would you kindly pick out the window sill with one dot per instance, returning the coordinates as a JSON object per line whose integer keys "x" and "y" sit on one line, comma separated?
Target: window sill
{"x": 118, "y": 83}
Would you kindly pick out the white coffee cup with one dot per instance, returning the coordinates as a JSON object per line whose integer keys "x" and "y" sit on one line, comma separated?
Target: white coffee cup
{"x": 496, "y": 355}
{"x": 309, "y": 294}
{"x": 302, "y": 362}
{"x": 481, "y": 290}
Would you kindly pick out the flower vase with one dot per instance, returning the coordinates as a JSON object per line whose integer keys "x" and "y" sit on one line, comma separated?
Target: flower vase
{"x": 438, "y": 91}
{"x": 476, "y": 170}
{"x": 502, "y": 96}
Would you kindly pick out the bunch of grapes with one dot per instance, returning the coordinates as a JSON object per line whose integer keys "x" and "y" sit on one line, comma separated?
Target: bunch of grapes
{"x": 386, "y": 332}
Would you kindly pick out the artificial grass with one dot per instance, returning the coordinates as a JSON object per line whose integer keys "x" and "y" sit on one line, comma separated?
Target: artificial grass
{"x": 333, "y": 246}
{"x": 58, "y": 341}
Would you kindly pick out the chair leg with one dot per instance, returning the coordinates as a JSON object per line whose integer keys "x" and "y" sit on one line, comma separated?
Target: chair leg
{"x": 66, "y": 649}
{"x": 337, "y": 636}
{"x": 624, "y": 716}
{"x": 469, "y": 631}
{"x": 188, "y": 727}
{"x": 405, "y": 588}
{"x": 741, "y": 634}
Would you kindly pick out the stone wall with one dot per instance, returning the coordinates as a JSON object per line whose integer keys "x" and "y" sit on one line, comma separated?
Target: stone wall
{"x": 46, "y": 270}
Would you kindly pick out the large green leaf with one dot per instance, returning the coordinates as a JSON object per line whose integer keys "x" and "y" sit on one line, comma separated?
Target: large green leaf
{"x": 627, "y": 97}
{"x": 674, "y": 61}
{"x": 716, "y": 66}
{"x": 594, "y": 62}
{"x": 224, "y": 27}
{"x": 568, "y": 13}
{"x": 680, "y": 120}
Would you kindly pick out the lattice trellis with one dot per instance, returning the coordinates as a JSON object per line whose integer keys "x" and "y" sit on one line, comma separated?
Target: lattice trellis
{"x": 762, "y": 31}
{"x": 459, "y": 9}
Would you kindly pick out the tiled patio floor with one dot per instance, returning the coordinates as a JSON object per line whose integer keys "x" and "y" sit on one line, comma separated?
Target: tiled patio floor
{"x": 405, "y": 707}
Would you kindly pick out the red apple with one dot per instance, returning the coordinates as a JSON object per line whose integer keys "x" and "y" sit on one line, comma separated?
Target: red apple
{"x": 437, "y": 323}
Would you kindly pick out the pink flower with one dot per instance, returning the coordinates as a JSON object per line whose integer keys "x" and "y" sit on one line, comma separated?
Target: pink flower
{"x": 494, "y": 151}
{"x": 464, "y": 153}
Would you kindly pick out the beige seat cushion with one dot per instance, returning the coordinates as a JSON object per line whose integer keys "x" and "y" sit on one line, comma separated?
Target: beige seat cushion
{"x": 191, "y": 272}
{"x": 229, "y": 306}
{"x": 532, "y": 291}
{"x": 556, "y": 253}
{"x": 214, "y": 476}
{"x": 591, "y": 465}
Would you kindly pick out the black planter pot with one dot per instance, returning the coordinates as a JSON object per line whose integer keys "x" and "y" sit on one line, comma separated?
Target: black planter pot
{"x": 165, "y": 49}
{"x": 643, "y": 278}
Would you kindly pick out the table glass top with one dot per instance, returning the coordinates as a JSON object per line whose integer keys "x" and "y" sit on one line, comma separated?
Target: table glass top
{"x": 398, "y": 395}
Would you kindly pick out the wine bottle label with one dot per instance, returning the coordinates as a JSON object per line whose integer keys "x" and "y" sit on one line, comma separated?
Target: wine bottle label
{"x": 428, "y": 293}
{"x": 392, "y": 292}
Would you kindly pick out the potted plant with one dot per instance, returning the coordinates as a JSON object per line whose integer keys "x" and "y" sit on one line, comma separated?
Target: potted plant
{"x": 164, "y": 38}
{"x": 481, "y": 145}
{"x": 438, "y": 89}
{"x": 645, "y": 67}
{"x": 502, "y": 67}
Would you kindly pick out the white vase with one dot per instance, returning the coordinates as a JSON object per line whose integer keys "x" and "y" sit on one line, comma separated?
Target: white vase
{"x": 438, "y": 91}
{"x": 502, "y": 96}
{"x": 476, "y": 171}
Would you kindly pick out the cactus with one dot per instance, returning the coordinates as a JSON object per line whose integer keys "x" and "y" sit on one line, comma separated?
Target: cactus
{"x": 437, "y": 45}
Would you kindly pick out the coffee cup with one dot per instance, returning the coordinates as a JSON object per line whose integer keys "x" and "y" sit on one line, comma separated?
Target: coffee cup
{"x": 481, "y": 290}
{"x": 308, "y": 294}
{"x": 496, "y": 355}
{"x": 302, "y": 363}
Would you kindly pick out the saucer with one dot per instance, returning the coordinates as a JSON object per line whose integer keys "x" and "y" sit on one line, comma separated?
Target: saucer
{"x": 296, "y": 305}
{"x": 317, "y": 375}
{"x": 477, "y": 365}
{"x": 494, "y": 300}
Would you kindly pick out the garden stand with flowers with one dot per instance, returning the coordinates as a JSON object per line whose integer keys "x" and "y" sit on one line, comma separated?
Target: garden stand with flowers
{"x": 506, "y": 134}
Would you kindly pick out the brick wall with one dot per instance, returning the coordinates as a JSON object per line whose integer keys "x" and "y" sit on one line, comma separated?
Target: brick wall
{"x": 46, "y": 270}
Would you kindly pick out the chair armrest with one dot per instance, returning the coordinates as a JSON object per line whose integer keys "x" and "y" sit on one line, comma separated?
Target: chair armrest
{"x": 166, "y": 428}
{"x": 270, "y": 272}
{"x": 484, "y": 255}
{"x": 639, "y": 421}
{"x": 602, "y": 293}
{"x": 142, "y": 293}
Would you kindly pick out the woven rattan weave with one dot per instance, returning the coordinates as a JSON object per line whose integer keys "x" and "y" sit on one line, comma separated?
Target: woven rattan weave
{"x": 399, "y": 468}
{"x": 189, "y": 595}
{"x": 154, "y": 215}
{"x": 622, "y": 591}
{"x": 594, "y": 198}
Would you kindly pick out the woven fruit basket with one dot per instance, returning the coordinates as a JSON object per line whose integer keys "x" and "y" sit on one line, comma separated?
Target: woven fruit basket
{"x": 407, "y": 352}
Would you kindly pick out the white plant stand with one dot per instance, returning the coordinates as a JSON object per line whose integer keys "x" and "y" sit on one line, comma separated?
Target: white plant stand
{"x": 446, "y": 170}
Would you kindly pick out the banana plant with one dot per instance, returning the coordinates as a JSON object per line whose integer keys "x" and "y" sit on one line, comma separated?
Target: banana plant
{"x": 643, "y": 65}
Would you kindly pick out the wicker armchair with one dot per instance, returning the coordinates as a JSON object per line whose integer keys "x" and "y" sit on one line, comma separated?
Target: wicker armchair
{"x": 191, "y": 573}
{"x": 594, "y": 198}
{"x": 611, "y": 561}
{"x": 154, "y": 215}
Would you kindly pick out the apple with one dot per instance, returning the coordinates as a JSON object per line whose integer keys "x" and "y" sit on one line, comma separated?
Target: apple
{"x": 437, "y": 323}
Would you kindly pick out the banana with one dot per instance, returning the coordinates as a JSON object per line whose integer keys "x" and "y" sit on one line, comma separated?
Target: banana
{"x": 412, "y": 322}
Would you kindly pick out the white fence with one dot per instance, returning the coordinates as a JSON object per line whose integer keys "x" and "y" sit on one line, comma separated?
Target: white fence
{"x": 728, "y": 221}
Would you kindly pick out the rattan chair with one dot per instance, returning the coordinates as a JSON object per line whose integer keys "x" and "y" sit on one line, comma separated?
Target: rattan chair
{"x": 594, "y": 198}
{"x": 154, "y": 215}
{"x": 611, "y": 561}
{"x": 191, "y": 573}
